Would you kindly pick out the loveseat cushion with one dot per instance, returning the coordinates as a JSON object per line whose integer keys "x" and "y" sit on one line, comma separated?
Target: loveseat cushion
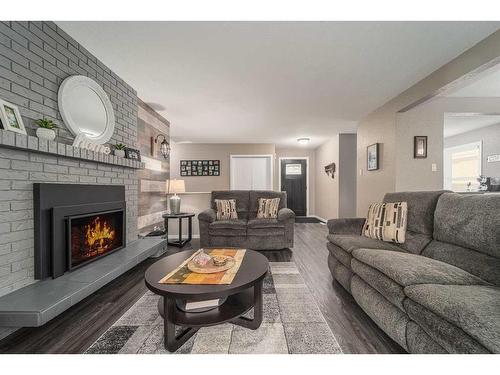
{"x": 409, "y": 269}
{"x": 471, "y": 221}
{"x": 351, "y": 242}
{"x": 473, "y": 308}
{"x": 240, "y": 196}
{"x": 265, "y": 223}
{"x": 229, "y": 228}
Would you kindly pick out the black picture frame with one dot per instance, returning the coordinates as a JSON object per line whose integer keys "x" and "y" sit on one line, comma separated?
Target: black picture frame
{"x": 194, "y": 168}
{"x": 372, "y": 157}
{"x": 133, "y": 154}
{"x": 420, "y": 147}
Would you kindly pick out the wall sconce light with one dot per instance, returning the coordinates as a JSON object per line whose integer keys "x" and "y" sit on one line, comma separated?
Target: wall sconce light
{"x": 330, "y": 170}
{"x": 164, "y": 146}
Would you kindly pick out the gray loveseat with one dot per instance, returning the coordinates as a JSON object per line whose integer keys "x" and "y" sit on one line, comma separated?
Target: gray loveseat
{"x": 440, "y": 291}
{"x": 247, "y": 231}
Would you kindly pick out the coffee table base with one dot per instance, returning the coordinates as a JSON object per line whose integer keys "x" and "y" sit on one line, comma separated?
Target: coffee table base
{"x": 173, "y": 342}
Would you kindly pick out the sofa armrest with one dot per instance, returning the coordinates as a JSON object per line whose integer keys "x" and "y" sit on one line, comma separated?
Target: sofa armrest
{"x": 208, "y": 215}
{"x": 352, "y": 225}
{"x": 286, "y": 214}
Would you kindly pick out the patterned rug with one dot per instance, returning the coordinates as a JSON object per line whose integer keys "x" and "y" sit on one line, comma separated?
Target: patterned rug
{"x": 292, "y": 324}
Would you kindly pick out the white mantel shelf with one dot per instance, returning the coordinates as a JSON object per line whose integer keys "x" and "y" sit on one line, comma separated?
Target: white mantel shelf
{"x": 17, "y": 141}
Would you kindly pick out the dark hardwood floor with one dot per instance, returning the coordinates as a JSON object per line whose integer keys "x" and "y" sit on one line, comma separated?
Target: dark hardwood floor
{"x": 77, "y": 328}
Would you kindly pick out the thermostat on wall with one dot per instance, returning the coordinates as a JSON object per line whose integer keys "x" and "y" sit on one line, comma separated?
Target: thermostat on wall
{"x": 493, "y": 158}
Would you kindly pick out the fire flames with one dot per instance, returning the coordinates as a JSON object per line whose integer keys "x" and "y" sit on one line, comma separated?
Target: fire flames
{"x": 99, "y": 235}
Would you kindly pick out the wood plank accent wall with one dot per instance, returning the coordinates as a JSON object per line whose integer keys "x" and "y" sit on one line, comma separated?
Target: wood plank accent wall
{"x": 152, "y": 198}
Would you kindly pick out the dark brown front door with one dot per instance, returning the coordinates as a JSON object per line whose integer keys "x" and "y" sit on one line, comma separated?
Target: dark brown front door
{"x": 294, "y": 182}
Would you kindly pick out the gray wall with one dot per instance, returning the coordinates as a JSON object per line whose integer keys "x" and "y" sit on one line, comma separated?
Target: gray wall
{"x": 347, "y": 175}
{"x": 380, "y": 125}
{"x": 35, "y": 57}
{"x": 490, "y": 136}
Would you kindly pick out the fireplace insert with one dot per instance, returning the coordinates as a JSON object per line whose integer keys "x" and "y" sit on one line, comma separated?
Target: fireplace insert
{"x": 92, "y": 236}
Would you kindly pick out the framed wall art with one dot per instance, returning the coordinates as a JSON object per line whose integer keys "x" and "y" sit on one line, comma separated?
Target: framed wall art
{"x": 200, "y": 168}
{"x": 372, "y": 160}
{"x": 132, "y": 153}
{"x": 420, "y": 147}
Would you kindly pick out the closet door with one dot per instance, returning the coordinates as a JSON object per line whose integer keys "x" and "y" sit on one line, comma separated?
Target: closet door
{"x": 251, "y": 172}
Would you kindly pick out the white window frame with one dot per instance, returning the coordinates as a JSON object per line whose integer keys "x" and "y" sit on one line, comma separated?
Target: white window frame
{"x": 306, "y": 158}
{"x": 463, "y": 147}
{"x": 267, "y": 156}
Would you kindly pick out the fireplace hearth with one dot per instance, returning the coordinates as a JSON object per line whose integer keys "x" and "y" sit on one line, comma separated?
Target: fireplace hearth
{"x": 76, "y": 225}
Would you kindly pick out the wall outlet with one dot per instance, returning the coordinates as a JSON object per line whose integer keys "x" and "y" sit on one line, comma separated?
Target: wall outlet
{"x": 434, "y": 167}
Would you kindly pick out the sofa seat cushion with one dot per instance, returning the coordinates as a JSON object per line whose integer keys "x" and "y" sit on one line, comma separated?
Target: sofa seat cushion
{"x": 228, "y": 228}
{"x": 265, "y": 223}
{"x": 267, "y": 231}
{"x": 409, "y": 269}
{"x": 447, "y": 335}
{"x": 350, "y": 242}
{"x": 473, "y": 308}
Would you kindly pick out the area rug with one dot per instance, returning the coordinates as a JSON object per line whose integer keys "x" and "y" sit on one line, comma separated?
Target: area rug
{"x": 292, "y": 324}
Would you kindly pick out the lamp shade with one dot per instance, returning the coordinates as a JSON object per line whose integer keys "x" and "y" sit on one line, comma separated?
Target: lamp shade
{"x": 175, "y": 186}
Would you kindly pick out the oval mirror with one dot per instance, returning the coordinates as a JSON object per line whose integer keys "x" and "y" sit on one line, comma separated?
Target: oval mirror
{"x": 86, "y": 109}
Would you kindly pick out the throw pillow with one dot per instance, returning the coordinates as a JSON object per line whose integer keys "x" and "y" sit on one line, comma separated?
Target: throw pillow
{"x": 386, "y": 222}
{"x": 268, "y": 208}
{"x": 226, "y": 209}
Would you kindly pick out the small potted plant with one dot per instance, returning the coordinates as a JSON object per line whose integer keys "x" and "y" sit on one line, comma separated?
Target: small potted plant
{"x": 120, "y": 150}
{"x": 45, "y": 129}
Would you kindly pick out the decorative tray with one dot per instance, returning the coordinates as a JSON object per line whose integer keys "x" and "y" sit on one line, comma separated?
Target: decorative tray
{"x": 210, "y": 267}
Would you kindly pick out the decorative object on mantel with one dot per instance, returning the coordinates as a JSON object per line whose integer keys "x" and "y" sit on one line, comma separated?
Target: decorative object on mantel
{"x": 120, "y": 150}
{"x": 164, "y": 146}
{"x": 11, "y": 118}
{"x": 82, "y": 141}
{"x": 45, "y": 129}
{"x": 200, "y": 168}
{"x": 420, "y": 147}
{"x": 372, "y": 162}
{"x": 330, "y": 170}
{"x": 174, "y": 187}
{"x": 86, "y": 109}
{"x": 132, "y": 153}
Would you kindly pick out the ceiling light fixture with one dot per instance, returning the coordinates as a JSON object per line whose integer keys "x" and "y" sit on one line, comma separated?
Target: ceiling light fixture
{"x": 303, "y": 141}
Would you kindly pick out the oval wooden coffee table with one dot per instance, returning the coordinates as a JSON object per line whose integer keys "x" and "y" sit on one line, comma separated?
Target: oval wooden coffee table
{"x": 243, "y": 294}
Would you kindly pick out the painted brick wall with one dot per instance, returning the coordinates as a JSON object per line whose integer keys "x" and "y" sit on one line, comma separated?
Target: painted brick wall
{"x": 35, "y": 57}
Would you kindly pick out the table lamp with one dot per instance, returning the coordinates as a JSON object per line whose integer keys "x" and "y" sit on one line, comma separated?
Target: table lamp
{"x": 174, "y": 187}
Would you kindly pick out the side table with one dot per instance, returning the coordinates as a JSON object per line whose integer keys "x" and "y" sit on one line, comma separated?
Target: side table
{"x": 180, "y": 242}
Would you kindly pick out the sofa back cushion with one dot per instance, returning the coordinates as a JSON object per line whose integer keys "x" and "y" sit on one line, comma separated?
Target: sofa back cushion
{"x": 240, "y": 196}
{"x": 267, "y": 194}
{"x": 469, "y": 220}
{"x": 481, "y": 265}
{"x": 420, "y": 219}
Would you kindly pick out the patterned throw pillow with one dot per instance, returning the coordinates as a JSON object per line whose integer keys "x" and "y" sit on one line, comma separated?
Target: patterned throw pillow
{"x": 386, "y": 222}
{"x": 226, "y": 209}
{"x": 268, "y": 208}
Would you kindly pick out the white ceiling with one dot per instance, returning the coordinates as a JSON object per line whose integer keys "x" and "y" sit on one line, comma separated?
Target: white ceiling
{"x": 273, "y": 82}
{"x": 455, "y": 123}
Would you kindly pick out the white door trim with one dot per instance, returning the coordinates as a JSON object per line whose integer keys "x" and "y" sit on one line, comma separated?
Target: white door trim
{"x": 306, "y": 158}
{"x": 268, "y": 156}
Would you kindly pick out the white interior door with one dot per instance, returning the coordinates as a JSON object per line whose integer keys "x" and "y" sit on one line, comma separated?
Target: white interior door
{"x": 251, "y": 172}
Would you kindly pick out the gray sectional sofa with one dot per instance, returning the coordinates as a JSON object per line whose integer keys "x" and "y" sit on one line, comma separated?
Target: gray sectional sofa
{"x": 439, "y": 292}
{"x": 247, "y": 231}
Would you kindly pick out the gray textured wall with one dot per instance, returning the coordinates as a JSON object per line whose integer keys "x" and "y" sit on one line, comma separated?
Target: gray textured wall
{"x": 35, "y": 57}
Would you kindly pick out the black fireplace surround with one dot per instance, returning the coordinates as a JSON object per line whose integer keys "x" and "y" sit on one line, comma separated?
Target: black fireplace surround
{"x": 76, "y": 224}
